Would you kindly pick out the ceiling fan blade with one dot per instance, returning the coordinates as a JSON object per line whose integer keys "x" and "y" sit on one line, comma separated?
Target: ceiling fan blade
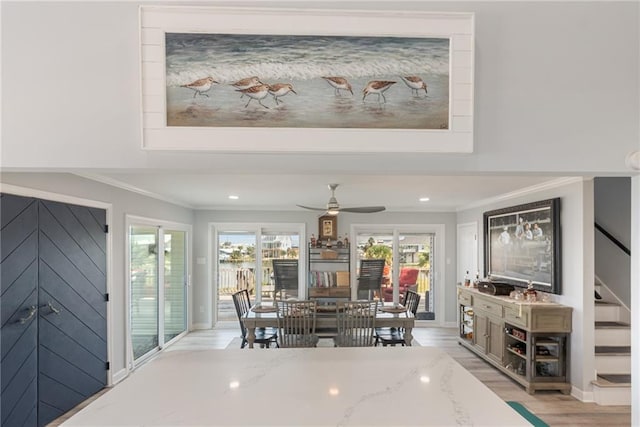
{"x": 364, "y": 209}
{"x": 312, "y": 209}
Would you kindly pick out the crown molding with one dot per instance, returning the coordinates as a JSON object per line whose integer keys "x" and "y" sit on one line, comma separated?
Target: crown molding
{"x": 555, "y": 183}
{"x": 128, "y": 187}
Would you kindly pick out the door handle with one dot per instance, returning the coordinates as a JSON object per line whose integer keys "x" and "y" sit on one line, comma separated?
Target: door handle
{"x": 31, "y": 312}
{"x": 51, "y": 307}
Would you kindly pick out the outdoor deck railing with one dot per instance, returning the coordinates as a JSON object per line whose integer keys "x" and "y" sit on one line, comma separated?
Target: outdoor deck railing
{"x": 232, "y": 279}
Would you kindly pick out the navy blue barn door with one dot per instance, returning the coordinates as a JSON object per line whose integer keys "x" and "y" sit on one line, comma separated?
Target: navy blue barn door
{"x": 67, "y": 331}
{"x": 18, "y": 309}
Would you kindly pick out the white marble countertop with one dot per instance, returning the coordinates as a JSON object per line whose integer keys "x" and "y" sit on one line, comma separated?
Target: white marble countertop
{"x": 383, "y": 386}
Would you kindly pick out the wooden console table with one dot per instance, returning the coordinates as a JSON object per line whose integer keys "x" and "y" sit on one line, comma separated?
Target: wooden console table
{"x": 529, "y": 342}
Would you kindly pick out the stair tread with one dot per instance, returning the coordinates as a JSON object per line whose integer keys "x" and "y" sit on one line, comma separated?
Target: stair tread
{"x": 601, "y": 302}
{"x": 610, "y": 324}
{"x": 612, "y": 380}
{"x": 613, "y": 350}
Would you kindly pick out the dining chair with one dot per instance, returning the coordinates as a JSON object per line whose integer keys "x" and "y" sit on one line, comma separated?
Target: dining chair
{"x": 297, "y": 323}
{"x": 370, "y": 276}
{"x": 393, "y": 336}
{"x": 264, "y": 336}
{"x": 285, "y": 275}
{"x": 356, "y": 323}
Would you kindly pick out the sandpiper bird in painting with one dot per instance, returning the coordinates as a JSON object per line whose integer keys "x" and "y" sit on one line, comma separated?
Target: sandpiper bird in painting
{"x": 256, "y": 92}
{"x": 280, "y": 89}
{"x": 201, "y": 86}
{"x": 246, "y": 83}
{"x": 415, "y": 83}
{"x": 339, "y": 83}
{"x": 378, "y": 87}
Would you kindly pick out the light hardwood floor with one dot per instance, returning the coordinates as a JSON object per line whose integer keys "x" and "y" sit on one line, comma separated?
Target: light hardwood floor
{"x": 553, "y": 407}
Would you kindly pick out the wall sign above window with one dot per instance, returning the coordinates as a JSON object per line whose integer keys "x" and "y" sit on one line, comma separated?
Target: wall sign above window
{"x": 229, "y": 80}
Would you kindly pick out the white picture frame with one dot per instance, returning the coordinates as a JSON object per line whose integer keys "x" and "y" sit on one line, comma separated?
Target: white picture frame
{"x": 157, "y": 21}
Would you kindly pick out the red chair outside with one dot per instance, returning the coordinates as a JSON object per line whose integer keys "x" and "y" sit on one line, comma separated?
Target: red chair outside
{"x": 408, "y": 281}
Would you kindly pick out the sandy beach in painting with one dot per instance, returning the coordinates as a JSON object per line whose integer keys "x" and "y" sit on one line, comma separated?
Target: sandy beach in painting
{"x": 302, "y": 62}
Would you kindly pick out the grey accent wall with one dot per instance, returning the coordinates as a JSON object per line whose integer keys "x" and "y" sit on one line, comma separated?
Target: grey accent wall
{"x": 123, "y": 203}
{"x": 613, "y": 212}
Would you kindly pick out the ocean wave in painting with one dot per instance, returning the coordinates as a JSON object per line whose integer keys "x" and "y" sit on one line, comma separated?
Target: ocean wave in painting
{"x": 228, "y": 58}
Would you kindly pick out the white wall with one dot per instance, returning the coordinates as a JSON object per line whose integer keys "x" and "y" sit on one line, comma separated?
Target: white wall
{"x": 576, "y": 222}
{"x": 202, "y": 293}
{"x": 556, "y": 90}
{"x": 123, "y": 203}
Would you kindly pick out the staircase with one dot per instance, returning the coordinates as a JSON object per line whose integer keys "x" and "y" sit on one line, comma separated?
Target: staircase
{"x": 612, "y": 350}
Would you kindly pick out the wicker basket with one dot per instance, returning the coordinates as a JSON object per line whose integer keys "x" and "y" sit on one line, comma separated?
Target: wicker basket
{"x": 328, "y": 254}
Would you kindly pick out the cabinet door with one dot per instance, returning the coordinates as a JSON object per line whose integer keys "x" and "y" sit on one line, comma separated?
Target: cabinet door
{"x": 480, "y": 331}
{"x": 495, "y": 347}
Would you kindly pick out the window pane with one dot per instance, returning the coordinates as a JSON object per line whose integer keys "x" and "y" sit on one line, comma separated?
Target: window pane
{"x": 175, "y": 278}
{"x": 379, "y": 246}
{"x": 144, "y": 289}
{"x": 416, "y": 254}
{"x": 236, "y": 269}
{"x": 277, "y": 245}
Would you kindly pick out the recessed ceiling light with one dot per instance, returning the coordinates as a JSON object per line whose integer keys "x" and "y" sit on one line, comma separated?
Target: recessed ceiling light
{"x": 234, "y": 197}
{"x": 424, "y": 199}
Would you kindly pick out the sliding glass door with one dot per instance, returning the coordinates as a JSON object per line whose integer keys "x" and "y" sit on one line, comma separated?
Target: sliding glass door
{"x": 158, "y": 266}
{"x": 409, "y": 257}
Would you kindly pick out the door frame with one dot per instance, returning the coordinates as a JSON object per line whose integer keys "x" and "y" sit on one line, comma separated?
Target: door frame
{"x": 130, "y": 220}
{"x": 112, "y": 377}
{"x": 439, "y": 275}
{"x": 460, "y": 269}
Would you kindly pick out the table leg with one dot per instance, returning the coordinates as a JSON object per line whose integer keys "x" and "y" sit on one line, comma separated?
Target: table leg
{"x": 407, "y": 335}
{"x": 251, "y": 336}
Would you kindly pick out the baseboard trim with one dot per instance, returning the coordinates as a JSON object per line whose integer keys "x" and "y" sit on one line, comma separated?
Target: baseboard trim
{"x": 582, "y": 396}
{"x": 197, "y": 326}
{"x": 119, "y": 376}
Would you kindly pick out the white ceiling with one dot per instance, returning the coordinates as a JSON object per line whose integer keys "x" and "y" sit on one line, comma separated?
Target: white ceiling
{"x": 271, "y": 191}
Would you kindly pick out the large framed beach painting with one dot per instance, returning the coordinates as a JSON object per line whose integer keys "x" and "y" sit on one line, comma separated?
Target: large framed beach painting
{"x": 273, "y": 80}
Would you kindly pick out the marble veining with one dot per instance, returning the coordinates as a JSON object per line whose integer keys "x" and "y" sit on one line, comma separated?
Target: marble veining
{"x": 377, "y": 386}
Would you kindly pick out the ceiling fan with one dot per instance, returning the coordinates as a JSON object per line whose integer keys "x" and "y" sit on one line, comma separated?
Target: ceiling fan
{"x": 333, "y": 207}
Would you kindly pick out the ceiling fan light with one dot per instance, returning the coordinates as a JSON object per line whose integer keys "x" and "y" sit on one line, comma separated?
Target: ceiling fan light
{"x": 332, "y": 212}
